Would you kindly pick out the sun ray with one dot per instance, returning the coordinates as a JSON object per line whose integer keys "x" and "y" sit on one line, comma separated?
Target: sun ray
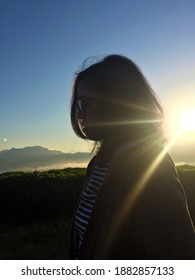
{"x": 130, "y": 105}
{"x": 124, "y": 122}
{"x": 138, "y": 188}
{"x": 133, "y": 196}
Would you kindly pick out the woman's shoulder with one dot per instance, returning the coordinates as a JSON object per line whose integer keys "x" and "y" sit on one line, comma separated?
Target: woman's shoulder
{"x": 139, "y": 156}
{"x": 150, "y": 169}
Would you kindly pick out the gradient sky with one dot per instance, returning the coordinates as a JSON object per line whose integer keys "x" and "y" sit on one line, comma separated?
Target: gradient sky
{"x": 43, "y": 42}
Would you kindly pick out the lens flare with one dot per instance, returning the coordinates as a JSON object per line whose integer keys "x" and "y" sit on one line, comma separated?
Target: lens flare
{"x": 135, "y": 192}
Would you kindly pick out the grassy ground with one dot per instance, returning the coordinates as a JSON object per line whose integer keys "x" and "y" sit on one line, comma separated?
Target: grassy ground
{"x": 35, "y": 213}
{"x": 43, "y": 240}
{"x": 45, "y": 236}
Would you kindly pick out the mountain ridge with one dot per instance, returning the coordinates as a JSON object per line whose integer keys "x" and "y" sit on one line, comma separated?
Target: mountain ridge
{"x": 39, "y": 158}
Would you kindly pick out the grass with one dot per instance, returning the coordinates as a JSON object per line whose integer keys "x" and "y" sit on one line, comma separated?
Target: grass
{"x": 37, "y": 209}
{"x": 43, "y": 240}
{"x": 36, "y": 212}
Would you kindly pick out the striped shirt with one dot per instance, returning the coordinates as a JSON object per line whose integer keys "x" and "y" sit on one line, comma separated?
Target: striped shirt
{"x": 87, "y": 202}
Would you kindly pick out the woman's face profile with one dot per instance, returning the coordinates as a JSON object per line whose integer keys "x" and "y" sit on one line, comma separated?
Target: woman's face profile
{"x": 91, "y": 112}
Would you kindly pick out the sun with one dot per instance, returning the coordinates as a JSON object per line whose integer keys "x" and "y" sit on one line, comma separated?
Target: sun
{"x": 187, "y": 120}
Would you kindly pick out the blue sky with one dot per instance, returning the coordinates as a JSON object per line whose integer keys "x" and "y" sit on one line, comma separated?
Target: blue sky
{"x": 43, "y": 42}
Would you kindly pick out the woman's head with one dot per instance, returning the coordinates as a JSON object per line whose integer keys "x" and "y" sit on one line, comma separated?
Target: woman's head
{"x": 112, "y": 100}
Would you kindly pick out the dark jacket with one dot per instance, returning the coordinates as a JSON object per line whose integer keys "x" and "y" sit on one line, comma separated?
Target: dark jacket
{"x": 141, "y": 210}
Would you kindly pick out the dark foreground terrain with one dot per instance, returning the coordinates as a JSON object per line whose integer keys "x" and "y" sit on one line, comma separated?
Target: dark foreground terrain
{"x": 36, "y": 210}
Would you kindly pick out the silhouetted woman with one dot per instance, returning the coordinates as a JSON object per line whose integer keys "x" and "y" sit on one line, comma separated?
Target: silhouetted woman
{"x": 133, "y": 205}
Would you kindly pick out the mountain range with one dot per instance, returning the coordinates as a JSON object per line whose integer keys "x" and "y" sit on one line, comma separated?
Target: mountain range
{"x": 183, "y": 154}
{"x": 40, "y": 158}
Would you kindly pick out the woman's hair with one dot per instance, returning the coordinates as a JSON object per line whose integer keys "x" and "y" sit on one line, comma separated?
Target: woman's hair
{"x": 136, "y": 110}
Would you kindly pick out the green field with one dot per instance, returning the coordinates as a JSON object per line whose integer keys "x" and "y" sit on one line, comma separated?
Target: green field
{"x": 36, "y": 210}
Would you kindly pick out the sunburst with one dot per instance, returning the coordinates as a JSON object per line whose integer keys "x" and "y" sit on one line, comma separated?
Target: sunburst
{"x": 187, "y": 120}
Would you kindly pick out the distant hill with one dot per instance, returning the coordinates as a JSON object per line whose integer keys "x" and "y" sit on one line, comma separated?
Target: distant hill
{"x": 183, "y": 154}
{"x": 39, "y": 158}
